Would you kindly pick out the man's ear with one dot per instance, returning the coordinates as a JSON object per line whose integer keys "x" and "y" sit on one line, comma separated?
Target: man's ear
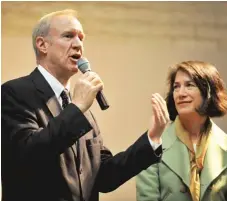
{"x": 41, "y": 44}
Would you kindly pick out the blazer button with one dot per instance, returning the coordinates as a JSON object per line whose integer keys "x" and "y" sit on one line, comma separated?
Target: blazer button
{"x": 183, "y": 189}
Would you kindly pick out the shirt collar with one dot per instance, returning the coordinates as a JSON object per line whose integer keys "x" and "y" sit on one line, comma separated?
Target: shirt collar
{"x": 56, "y": 86}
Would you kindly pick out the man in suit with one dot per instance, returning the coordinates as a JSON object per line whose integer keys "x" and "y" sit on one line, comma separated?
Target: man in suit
{"x": 52, "y": 149}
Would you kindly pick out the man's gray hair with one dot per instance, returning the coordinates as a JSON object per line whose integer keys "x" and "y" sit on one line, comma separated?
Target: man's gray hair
{"x": 43, "y": 26}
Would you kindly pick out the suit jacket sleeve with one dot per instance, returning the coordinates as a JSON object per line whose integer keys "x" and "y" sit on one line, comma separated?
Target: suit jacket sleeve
{"x": 147, "y": 184}
{"x": 23, "y": 136}
{"x": 116, "y": 170}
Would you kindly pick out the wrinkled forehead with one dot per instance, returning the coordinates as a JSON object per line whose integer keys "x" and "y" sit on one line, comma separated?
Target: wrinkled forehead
{"x": 64, "y": 23}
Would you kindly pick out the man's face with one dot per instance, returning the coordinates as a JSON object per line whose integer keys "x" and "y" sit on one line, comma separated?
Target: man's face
{"x": 65, "y": 45}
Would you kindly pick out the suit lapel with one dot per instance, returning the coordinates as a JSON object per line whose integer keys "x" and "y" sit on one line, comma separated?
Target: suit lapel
{"x": 50, "y": 100}
{"x": 46, "y": 93}
{"x": 176, "y": 155}
{"x": 48, "y": 96}
{"x": 215, "y": 159}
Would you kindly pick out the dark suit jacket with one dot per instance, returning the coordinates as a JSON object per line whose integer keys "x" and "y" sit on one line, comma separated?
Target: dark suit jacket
{"x": 39, "y": 155}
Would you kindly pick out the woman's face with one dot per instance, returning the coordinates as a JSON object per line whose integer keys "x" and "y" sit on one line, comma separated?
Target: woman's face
{"x": 186, "y": 94}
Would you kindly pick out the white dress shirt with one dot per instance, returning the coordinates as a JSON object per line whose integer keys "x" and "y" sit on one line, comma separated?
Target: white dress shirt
{"x": 56, "y": 86}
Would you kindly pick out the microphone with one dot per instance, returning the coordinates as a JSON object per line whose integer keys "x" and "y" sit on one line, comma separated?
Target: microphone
{"x": 84, "y": 66}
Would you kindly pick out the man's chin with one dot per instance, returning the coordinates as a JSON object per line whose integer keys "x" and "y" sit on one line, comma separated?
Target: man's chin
{"x": 74, "y": 69}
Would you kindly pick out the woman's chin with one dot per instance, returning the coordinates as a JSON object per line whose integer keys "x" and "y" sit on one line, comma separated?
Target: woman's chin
{"x": 185, "y": 111}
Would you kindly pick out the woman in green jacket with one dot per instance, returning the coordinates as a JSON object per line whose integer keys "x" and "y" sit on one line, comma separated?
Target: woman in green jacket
{"x": 194, "y": 161}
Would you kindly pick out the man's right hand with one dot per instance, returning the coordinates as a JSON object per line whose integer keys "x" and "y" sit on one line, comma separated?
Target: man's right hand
{"x": 85, "y": 90}
{"x": 159, "y": 118}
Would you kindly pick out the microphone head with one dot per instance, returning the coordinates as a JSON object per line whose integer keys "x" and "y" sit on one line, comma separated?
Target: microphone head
{"x": 83, "y": 65}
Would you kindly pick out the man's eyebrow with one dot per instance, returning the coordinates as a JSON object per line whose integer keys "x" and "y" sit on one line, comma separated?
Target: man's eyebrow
{"x": 74, "y": 31}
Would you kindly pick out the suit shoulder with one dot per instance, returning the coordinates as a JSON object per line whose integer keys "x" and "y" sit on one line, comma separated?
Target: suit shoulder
{"x": 169, "y": 131}
{"x": 17, "y": 83}
{"x": 19, "y": 87}
{"x": 220, "y": 136}
{"x": 169, "y": 136}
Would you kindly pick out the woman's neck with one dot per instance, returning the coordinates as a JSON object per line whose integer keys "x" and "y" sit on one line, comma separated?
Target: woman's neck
{"x": 194, "y": 125}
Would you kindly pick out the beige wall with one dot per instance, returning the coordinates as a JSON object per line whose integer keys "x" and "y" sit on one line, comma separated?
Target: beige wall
{"x": 130, "y": 45}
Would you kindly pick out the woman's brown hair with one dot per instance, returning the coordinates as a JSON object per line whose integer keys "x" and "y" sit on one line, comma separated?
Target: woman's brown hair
{"x": 210, "y": 84}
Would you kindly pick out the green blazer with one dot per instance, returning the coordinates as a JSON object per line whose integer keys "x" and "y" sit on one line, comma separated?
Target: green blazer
{"x": 170, "y": 179}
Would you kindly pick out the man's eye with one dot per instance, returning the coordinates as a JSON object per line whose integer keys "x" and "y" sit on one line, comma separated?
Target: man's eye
{"x": 68, "y": 35}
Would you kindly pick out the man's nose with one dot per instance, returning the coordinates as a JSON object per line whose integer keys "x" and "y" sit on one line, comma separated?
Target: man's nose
{"x": 77, "y": 43}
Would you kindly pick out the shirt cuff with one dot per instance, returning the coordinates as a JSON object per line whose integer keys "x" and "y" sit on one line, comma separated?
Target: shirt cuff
{"x": 154, "y": 145}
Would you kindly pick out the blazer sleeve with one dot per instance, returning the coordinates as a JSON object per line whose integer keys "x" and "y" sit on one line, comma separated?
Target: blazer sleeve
{"x": 147, "y": 184}
{"x": 22, "y": 136}
{"x": 116, "y": 170}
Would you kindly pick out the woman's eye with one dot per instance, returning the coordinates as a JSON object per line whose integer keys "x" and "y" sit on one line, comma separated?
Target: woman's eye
{"x": 191, "y": 85}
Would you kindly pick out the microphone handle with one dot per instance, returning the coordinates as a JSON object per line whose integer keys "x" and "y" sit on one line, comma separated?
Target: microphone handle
{"x": 101, "y": 99}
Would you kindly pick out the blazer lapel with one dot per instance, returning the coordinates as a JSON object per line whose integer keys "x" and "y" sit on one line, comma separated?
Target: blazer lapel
{"x": 46, "y": 92}
{"x": 50, "y": 100}
{"x": 215, "y": 159}
{"x": 175, "y": 154}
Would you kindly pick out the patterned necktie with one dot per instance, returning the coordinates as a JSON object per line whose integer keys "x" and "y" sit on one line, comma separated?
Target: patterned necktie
{"x": 65, "y": 98}
{"x": 70, "y": 161}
